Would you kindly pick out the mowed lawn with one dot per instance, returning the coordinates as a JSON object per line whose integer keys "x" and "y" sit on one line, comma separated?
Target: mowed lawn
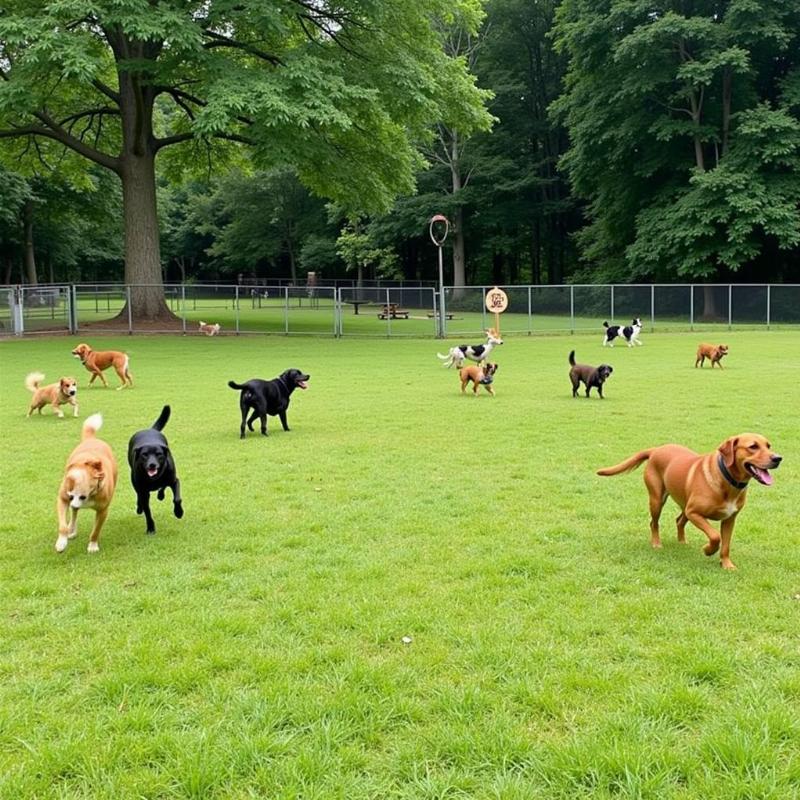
{"x": 412, "y": 594}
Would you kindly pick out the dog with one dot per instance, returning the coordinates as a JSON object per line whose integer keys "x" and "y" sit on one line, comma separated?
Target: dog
{"x": 713, "y": 352}
{"x": 480, "y": 375}
{"x": 153, "y": 469}
{"x": 90, "y": 477}
{"x": 268, "y": 397}
{"x": 65, "y": 390}
{"x": 98, "y": 360}
{"x": 709, "y": 486}
{"x": 630, "y": 333}
{"x": 591, "y": 376}
{"x": 474, "y": 352}
{"x": 208, "y": 329}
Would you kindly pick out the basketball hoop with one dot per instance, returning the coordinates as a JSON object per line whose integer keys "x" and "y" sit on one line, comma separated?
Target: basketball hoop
{"x": 442, "y": 231}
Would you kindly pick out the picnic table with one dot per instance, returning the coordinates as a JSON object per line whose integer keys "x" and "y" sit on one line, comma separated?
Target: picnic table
{"x": 357, "y": 303}
{"x": 391, "y": 311}
{"x": 447, "y": 315}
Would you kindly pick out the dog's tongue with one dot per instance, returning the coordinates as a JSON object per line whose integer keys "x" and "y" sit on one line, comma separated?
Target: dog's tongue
{"x": 762, "y": 476}
{"x": 302, "y": 384}
{"x": 151, "y": 471}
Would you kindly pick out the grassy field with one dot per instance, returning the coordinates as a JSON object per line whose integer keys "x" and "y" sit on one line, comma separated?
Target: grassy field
{"x": 255, "y": 648}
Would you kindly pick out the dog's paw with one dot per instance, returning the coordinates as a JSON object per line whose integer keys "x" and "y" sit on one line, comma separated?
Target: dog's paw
{"x": 93, "y": 547}
{"x": 178, "y": 509}
{"x": 61, "y": 543}
{"x": 160, "y": 494}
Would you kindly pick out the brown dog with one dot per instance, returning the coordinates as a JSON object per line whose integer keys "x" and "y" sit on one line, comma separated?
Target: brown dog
{"x": 710, "y": 486}
{"x": 591, "y": 376}
{"x": 98, "y": 360}
{"x": 208, "y": 329}
{"x": 714, "y": 352}
{"x": 90, "y": 477}
{"x": 479, "y": 375}
{"x": 54, "y": 394}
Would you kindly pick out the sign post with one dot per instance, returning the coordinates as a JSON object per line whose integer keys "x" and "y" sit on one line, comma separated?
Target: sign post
{"x": 497, "y": 303}
{"x": 439, "y": 228}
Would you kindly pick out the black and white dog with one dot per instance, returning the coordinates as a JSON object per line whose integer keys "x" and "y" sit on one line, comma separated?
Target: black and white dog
{"x": 630, "y": 333}
{"x": 153, "y": 469}
{"x": 474, "y": 352}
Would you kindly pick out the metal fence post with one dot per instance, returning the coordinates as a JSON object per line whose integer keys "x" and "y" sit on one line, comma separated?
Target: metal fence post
{"x": 183, "y": 307}
{"x": 73, "y": 308}
{"x": 612, "y": 302}
{"x": 652, "y": 306}
{"x": 769, "y": 286}
{"x": 286, "y": 310}
{"x": 530, "y": 312}
{"x": 18, "y": 316}
{"x": 337, "y": 313}
{"x": 389, "y": 315}
{"x": 443, "y": 313}
{"x": 691, "y": 306}
{"x": 730, "y": 301}
{"x": 572, "y": 308}
{"x": 130, "y": 310}
{"x": 236, "y": 308}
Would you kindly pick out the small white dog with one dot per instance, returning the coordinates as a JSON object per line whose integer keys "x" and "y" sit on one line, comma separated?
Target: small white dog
{"x": 474, "y": 352}
{"x": 208, "y": 329}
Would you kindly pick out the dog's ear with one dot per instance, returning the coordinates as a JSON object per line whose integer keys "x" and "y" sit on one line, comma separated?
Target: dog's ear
{"x": 728, "y": 451}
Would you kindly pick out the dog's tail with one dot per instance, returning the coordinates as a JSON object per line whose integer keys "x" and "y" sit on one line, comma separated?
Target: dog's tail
{"x": 627, "y": 465}
{"x": 91, "y": 426}
{"x": 572, "y": 357}
{"x": 32, "y": 380}
{"x": 162, "y": 420}
{"x": 237, "y": 386}
{"x": 202, "y": 323}
{"x": 443, "y": 358}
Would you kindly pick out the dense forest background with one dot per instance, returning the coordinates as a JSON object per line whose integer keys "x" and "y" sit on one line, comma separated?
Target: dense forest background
{"x": 631, "y": 141}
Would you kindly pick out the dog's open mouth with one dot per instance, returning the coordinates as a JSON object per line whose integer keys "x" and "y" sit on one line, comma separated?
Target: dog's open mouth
{"x": 152, "y": 472}
{"x": 302, "y": 384}
{"x": 759, "y": 473}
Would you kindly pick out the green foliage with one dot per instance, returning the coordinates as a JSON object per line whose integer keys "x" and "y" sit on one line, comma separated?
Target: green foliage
{"x": 683, "y": 135}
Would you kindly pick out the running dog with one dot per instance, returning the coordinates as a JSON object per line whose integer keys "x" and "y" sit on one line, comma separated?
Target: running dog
{"x": 591, "y": 376}
{"x": 90, "y": 477}
{"x": 208, "y": 329}
{"x": 709, "y": 486}
{"x": 712, "y": 352}
{"x": 65, "y": 390}
{"x": 98, "y": 360}
{"x": 630, "y": 333}
{"x": 268, "y": 397}
{"x": 153, "y": 469}
{"x": 474, "y": 352}
{"x": 480, "y": 375}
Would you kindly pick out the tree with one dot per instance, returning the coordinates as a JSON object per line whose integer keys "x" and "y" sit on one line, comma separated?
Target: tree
{"x": 685, "y": 133}
{"x": 330, "y": 90}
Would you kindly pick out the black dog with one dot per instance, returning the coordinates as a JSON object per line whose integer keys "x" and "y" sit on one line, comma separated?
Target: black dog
{"x": 591, "y": 376}
{"x": 630, "y": 333}
{"x": 268, "y": 397}
{"x": 153, "y": 469}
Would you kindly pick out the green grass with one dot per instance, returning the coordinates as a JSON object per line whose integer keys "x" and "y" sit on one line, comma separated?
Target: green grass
{"x": 255, "y": 647}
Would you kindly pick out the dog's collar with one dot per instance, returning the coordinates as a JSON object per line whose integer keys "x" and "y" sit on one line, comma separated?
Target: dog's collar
{"x": 486, "y": 379}
{"x": 727, "y": 475}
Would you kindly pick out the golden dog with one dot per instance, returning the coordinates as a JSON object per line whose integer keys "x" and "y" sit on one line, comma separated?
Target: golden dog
{"x": 90, "y": 477}
{"x": 479, "y": 375}
{"x": 56, "y": 394}
{"x": 98, "y": 360}
{"x": 209, "y": 329}
{"x": 713, "y": 352}
{"x": 709, "y": 486}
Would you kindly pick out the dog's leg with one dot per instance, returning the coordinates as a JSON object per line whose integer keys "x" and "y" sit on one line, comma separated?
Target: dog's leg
{"x": 143, "y": 503}
{"x": 177, "y": 501}
{"x": 657, "y": 497}
{"x": 253, "y": 417}
{"x": 282, "y": 415}
{"x": 702, "y": 523}
{"x": 99, "y": 519}
{"x": 264, "y": 424}
{"x": 600, "y": 390}
{"x": 57, "y": 409}
{"x": 65, "y": 530}
{"x": 726, "y": 529}
{"x": 74, "y": 405}
{"x": 681, "y": 521}
{"x": 103, "y": 379}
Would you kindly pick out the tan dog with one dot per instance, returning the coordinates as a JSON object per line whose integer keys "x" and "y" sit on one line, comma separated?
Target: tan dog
{"x": 209, "y": 329}
{"x": 98, "y": 360}
{"x": 714, "y": 352}
{"x": 479, "y": 375}
{"x": 710, "y": 486}
{"x": 90, "y": 477}
{"x": 65, "y": 390}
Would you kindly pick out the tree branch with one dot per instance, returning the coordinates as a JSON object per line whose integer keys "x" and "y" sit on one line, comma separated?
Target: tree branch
{"x": 218, "y": 40}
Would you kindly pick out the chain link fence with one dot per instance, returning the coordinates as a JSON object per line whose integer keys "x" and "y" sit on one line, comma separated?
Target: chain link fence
{"x": 392, "y": 311}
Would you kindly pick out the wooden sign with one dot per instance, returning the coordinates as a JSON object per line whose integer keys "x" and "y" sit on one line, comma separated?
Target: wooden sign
{"x": 497, "y": 303}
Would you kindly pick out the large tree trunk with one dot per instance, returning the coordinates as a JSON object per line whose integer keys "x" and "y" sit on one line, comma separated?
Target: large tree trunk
{"x": 459, "y": 251}
{"x": 30, "y": 256}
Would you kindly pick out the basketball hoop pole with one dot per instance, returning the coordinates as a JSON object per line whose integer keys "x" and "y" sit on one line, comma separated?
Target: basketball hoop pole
{"x": 440, "y": 332}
